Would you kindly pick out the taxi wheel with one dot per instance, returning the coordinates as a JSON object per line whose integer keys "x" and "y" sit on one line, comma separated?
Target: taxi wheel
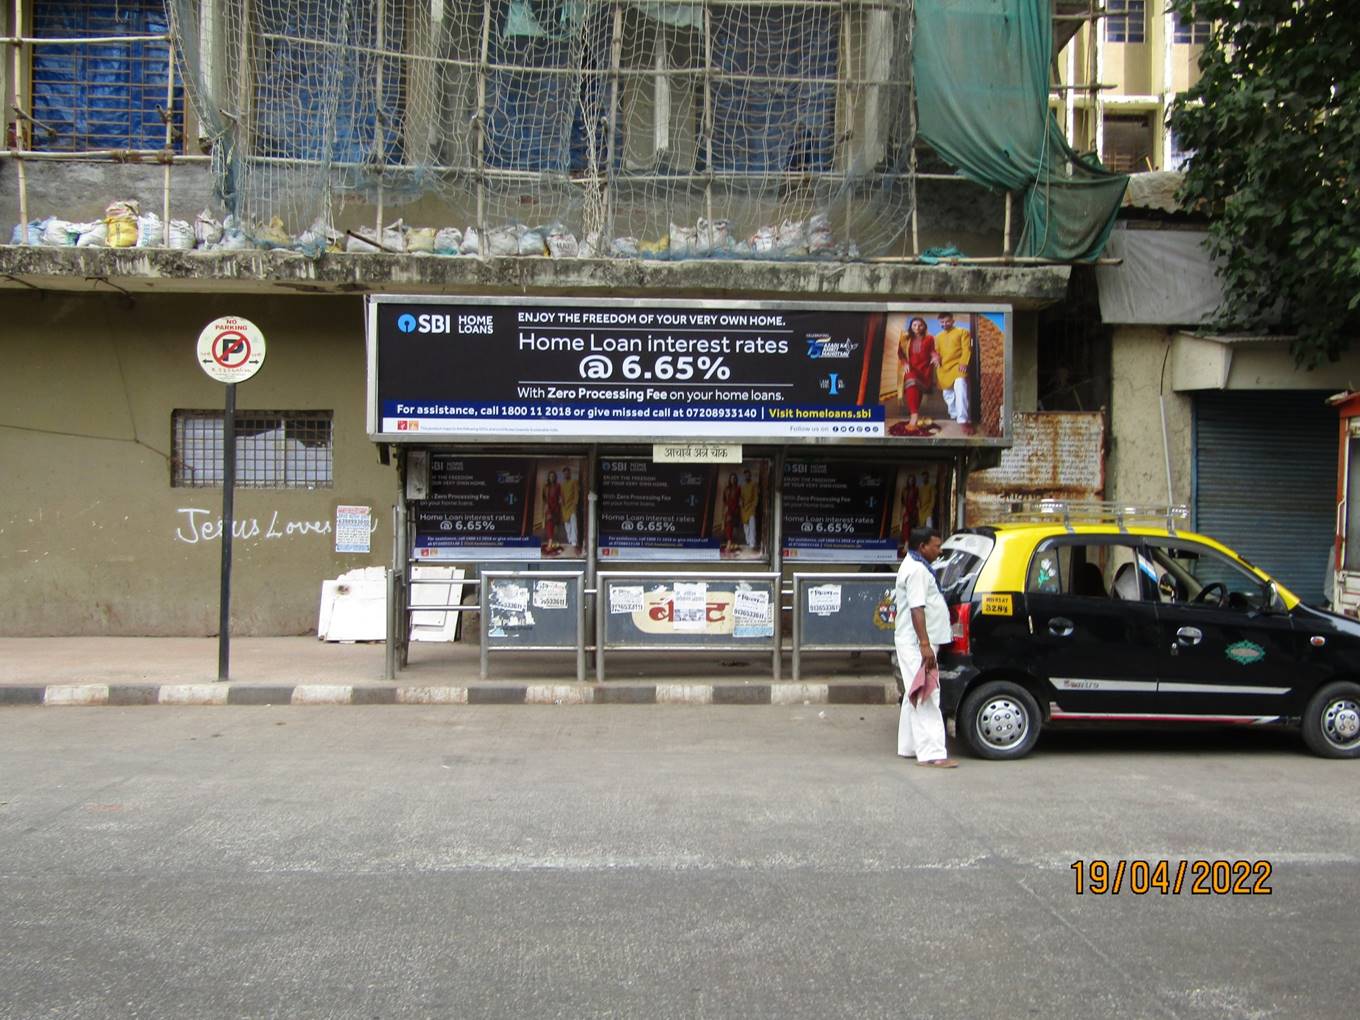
{"x": 1000, "y": 720}
{"x": 1331, "y": 723}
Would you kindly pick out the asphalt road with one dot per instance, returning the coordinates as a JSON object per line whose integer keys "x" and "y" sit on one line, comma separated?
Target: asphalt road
{"x": 651, "y": 862}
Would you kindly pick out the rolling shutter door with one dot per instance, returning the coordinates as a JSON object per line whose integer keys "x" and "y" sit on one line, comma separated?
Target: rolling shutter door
{"x": 1265, "y": 480}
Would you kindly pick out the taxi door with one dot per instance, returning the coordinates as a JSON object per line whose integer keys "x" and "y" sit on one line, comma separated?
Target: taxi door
{"x": 1094, "y": 633}
{"x": 1226, "y": 653}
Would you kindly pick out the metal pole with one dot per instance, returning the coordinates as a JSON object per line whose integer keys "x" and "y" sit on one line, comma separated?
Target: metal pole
{"x": 228, "y": 510}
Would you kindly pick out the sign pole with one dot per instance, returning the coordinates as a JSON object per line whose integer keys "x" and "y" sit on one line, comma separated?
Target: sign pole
{"x": 228, "y": 512}
{"x": 230, "y": 350}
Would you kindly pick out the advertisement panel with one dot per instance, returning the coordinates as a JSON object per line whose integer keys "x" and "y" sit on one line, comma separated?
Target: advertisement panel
{"x": 504, "y": 508}
{"x": 692, "y": 512}
{"x": 567, "y": 369}
{"x": 858, "y": 511}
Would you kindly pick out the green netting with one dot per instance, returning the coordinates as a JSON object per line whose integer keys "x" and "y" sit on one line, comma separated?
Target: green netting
{"x": 981, "y": 73}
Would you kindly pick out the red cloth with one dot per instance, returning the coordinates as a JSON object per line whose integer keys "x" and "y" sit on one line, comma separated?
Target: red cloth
{"x": 925, "y": 683}
{"x": 918, "y": 357}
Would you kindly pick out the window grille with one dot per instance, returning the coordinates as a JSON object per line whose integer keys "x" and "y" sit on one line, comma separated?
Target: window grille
{"x": 1194, "y": 33}
{"x": 274, "y": 449}
{"x": 97, "y": 95}
{"x": 1126, "y": 21}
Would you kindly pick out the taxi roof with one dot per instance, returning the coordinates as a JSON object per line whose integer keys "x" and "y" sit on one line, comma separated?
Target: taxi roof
{"x": 1029, "y": 533}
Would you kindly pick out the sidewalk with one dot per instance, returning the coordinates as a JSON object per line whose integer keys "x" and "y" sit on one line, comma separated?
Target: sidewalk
{"x": 303, "y": 670}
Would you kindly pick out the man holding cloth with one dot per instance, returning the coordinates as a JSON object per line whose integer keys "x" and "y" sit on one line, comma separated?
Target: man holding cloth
{"x": 922, "y": 626}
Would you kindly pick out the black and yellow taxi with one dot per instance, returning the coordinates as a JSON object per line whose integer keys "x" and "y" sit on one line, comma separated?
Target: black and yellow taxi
{"x": 1059, "y": 620}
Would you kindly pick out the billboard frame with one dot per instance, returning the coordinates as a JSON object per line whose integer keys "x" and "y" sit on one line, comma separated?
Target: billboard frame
{"x": 373, "y": 302}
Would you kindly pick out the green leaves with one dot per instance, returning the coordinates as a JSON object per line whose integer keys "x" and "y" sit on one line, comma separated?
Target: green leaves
{"x": 1273, "y": 125}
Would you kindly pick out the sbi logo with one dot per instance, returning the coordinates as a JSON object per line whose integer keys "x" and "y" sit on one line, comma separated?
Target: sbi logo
{"x": 409, "y": 323}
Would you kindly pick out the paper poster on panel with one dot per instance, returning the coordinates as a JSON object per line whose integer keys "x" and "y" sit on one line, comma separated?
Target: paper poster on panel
{"x": 512, "y": 508}
{"x": 683, "y": 512}
{"x": 843, "y": 511}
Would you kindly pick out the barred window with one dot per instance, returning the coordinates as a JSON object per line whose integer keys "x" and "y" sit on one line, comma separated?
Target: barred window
{"x": 274, "y": 449}
{"x": 1195, "y": 33}
{"x": 102, "y": 95}
{"x": 1125, "y": 21}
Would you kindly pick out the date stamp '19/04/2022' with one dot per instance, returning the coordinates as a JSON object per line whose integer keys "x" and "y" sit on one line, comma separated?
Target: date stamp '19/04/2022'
{"x": 1200, "y": 877}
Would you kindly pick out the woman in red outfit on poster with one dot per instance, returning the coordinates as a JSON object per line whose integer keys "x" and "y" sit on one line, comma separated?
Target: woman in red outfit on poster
{"x": 552, "y": 512}
{"x": 917, "y": 359}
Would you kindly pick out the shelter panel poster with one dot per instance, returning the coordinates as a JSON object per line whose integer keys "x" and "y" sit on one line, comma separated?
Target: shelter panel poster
{"x": 503, "y": 370}
{"x": 857, "y": 511}
{"x": 504, "y": 508}
{"x": 690, "y": 512}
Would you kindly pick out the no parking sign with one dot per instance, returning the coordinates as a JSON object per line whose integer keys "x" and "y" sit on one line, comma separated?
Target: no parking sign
{"x": 231, "y": 349}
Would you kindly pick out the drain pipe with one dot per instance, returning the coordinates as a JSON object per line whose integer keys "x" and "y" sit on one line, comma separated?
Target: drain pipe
{"x": 1166, "y": 434}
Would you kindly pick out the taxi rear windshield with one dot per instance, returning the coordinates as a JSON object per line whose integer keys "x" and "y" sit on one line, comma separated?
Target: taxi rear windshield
{"x": 959, "y": 564}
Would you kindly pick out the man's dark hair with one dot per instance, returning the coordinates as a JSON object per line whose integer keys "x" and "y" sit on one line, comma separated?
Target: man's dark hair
{"x": 920, "y": 536}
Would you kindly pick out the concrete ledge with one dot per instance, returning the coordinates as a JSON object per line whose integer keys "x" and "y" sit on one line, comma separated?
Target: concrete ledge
{"x": 385, "y": 695}
{"x": 1026, "y": 286}
{"x": 203, "y": 694}
{"x": 798, "y": 694}
{"x": 77, "y": 694}
{"x": 193, "y": 694}
{"x": 32, "y": 695}
{"x": 741, "y": 694}
{"x": 323, "y": 694}
{"x": 507, "y": 694}
{"x": 558, "y": 694}
{"x": 239, "y": 694}
{"x": 633, "y": 694}
{"x": 432, "y": 696}
{"x": 133, "y": 694}
{"x": 684, "y": 694}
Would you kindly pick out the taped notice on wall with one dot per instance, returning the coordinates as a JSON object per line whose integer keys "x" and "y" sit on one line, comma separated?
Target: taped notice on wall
{"x": 510, "y": 596}
{"x": 550, "y": 595}
{"x": 625, "y": 598}
{"x": 353, "y": 528}
{"x": 751, "y": 614}
{"x": 824, "y": 599}
{"x": 690, "y": 608}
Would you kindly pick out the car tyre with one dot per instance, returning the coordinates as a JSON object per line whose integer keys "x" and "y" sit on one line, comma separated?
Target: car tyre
{"x": 999, "y": 721}
{"x": 1331, "y": 722}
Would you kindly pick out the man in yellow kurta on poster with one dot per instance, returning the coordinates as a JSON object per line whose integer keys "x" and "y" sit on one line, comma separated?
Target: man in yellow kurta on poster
{"x": 925, "y": 490}
{"x": 954, "y": 345}
{"x": 571, "y": 500}
{"x": 750, "y": 500}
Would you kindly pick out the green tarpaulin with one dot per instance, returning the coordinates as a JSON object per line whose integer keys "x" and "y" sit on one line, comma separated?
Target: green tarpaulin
{"x": 981, "y": 70}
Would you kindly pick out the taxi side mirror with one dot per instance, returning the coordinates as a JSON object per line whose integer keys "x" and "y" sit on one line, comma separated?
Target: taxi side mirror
{"x": 1273, "y": 601}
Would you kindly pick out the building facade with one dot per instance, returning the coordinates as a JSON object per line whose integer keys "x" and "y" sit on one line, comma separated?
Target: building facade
{"x": 692, "y": 160}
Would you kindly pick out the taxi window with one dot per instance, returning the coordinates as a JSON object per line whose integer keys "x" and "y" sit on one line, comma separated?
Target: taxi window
{"x": 959, "y": 563}
{"x": 1048, "y": 568}
{"x": 1085, "y": 569}
{"x": 1198, "y": 575}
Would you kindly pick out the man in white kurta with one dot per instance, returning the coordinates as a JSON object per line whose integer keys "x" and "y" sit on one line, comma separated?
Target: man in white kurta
{"x": 922, "y": 627}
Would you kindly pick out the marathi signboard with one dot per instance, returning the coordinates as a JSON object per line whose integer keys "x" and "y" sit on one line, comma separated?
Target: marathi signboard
{"x": 702, "y": 612}
{"x": 503, "y": 508}
{"x": 515, "y": 369}
{"x": 858, "y": 511}
{"x": 692, "y": 512}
